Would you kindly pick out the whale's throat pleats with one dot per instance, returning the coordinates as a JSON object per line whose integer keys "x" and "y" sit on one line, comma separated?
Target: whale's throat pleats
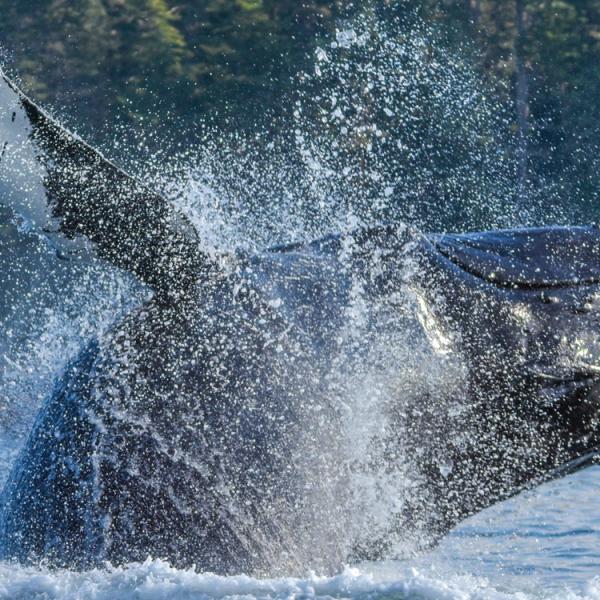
{"x": 77, "y": 198}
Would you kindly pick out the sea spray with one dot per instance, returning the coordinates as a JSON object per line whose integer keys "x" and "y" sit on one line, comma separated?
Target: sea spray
{"x": 370, "y": 138}
{"x": 352, "y": 157}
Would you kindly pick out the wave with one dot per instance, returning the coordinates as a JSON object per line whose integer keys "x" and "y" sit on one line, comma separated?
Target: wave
{"x": 157, "y": 580}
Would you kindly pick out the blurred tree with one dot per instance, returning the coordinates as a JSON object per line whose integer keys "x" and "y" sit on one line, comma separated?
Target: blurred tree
{"x": 234, "y": 61}
{"x": 541, "y": 55}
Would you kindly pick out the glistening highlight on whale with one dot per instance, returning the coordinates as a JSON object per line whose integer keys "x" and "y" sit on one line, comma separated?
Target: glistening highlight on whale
{"x": 204, "y": 428}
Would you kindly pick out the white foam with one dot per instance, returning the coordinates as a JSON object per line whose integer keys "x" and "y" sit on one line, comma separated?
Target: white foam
{"x": 157, "y": 580}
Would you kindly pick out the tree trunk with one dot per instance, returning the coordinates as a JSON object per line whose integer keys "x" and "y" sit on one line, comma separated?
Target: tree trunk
{"x": 473, "y": 12}
{"x": 521, "y": 99}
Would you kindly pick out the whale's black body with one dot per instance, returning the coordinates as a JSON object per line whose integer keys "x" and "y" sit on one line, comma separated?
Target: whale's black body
{"x": 203, "y": 428}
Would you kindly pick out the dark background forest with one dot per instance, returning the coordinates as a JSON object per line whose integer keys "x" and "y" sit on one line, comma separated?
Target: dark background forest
{"x": 166, "y": 64}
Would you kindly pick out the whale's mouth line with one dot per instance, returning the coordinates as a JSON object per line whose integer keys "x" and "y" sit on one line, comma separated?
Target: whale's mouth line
{"x": 559, "y": 388}
{"x": 586, "y": 459}
{"x": 576, "y": 373}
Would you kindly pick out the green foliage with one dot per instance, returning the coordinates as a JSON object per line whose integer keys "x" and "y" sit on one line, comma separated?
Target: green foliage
{"x": 136, "y": 55}
{"x": 560, "y": 48}
{"x": 234, "y": 61}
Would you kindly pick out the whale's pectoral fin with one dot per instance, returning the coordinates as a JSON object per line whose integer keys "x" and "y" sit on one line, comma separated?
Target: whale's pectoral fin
{"x": 63, "y": 187}
{"x": 527, "y": 258}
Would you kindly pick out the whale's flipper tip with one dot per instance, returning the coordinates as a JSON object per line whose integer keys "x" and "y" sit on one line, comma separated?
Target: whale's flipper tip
{"x": 61, "y": 184}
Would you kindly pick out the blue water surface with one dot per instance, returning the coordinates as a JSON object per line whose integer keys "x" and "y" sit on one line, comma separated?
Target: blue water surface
{"x": 545, "y": 541}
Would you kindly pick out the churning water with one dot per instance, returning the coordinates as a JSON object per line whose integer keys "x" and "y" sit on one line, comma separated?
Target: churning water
{"x": 542, "y": 544}
{"x": 388, "y": 126}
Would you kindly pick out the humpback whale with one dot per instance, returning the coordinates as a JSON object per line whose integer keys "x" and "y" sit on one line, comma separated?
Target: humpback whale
{"x": 204, "y": 427}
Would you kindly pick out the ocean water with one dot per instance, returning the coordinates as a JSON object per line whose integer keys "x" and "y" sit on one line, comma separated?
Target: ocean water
{"x": 544, "y": 543}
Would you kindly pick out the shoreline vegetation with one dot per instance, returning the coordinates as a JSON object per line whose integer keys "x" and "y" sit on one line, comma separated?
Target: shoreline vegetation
{"x": 161, "y": 66}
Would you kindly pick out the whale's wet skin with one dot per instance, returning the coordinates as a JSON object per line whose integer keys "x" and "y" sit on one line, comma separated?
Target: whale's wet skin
{"x": 345, "y": 399}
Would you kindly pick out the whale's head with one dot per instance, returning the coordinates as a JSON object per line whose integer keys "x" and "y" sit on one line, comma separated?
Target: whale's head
{"x": 521, "y": 309}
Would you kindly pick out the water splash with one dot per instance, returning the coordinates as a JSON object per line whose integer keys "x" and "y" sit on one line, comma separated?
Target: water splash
{"x": 50, "y": 308}
{"x": 390, "y": 126}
